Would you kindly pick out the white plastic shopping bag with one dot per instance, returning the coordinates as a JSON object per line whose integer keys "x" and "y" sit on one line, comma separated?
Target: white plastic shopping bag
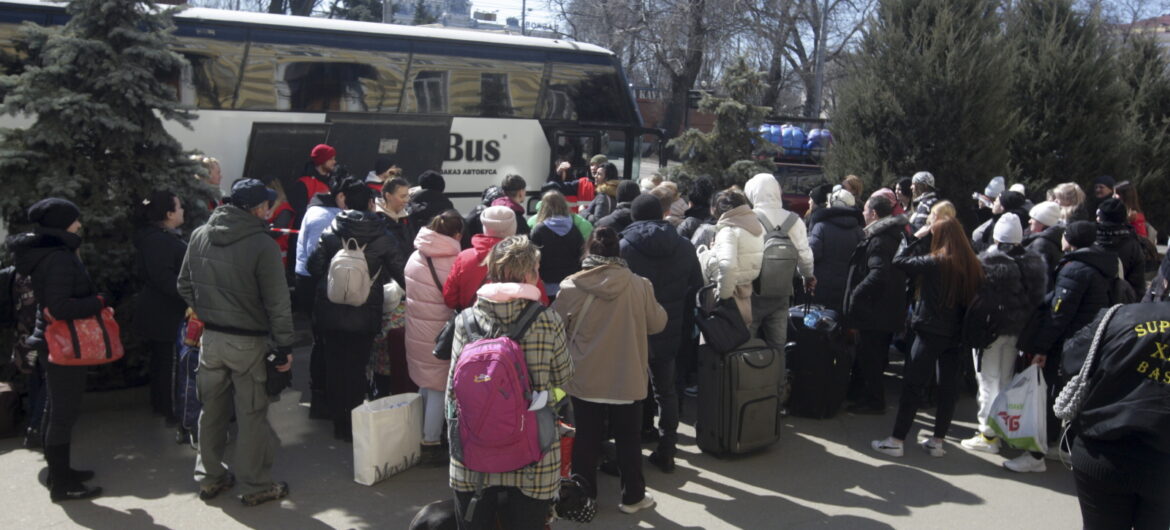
{"x": 386, "y": 437}
{"x": 1018, "y": 412}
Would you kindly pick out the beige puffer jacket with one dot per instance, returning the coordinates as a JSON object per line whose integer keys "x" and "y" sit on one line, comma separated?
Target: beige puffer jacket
{"x": 739, "y": 249}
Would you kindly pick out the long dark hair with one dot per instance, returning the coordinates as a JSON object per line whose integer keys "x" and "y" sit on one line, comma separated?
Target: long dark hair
{"x": 156, "y": 206}
{"x": 961, "y": 272}
{"x": 604, "y": 242}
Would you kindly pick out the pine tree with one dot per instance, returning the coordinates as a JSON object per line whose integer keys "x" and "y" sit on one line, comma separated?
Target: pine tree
{"x": 1146, "y": 140}
{"x": 1066, "y": 93}
{"x": 422, "y": 15}
{"x": 95, "y": 88}
{"x": 726, "y": 153}
{"x": 925, "y": 91}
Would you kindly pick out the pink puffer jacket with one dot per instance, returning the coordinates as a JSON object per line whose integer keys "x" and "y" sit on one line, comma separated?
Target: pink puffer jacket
{"x": 426, "y": 313}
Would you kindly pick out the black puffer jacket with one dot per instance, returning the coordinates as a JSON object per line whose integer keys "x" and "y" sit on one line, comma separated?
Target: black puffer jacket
{"x": 834, "y": 234}
{"x": 59, "y": 279}
{"x": 693, "y": 218}
{"x": 1122, "y": 240}
{"x": 1048, "y": 245}
{"x": 931, "y": 314}
{"x": 655, "y": 251}
{"x": 876, "y": 298}
{"x": 425, "y": 206}
{"x": 159, "y": 308}
{"x": 620, "y": 218}
{"x": 1083, "y": 278}
{"x": 383, "y": 257}
{"x": 560, "y": 248}
{"x": 1017, "y": 280}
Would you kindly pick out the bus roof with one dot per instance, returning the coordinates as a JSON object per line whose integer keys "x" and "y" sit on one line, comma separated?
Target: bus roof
{"x": 369, "y": 28}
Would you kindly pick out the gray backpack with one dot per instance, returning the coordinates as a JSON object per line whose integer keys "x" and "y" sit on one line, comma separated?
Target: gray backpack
{"x": 349, "y": 280}
{"x": 780, "y": 255}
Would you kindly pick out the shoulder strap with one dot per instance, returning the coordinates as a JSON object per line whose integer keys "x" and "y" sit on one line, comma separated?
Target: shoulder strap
{"x": 580, "y": 316}
{"x": 520, "y": 327}
{"x": 787, "y": 224}
{"x": 470, "y": 326}
{"x": 768, "y": 226}
{"x": 434, "y": 275}
{"x": 1072, "y": 397}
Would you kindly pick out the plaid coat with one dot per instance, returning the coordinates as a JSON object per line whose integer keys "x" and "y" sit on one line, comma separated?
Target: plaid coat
{"x": 549, "y": 367}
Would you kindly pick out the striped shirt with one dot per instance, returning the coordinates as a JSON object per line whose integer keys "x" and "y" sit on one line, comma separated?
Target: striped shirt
{"x": 549, "y": 366}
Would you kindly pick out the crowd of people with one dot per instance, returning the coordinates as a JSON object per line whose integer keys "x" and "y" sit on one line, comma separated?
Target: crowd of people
{"x": 618, "y": 265}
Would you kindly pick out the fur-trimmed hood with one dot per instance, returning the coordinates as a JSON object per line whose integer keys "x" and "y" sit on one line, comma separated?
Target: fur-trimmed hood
{"x": 892, "y": 222}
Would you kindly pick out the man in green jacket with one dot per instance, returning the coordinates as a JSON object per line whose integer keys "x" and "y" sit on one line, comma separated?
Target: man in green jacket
{"x": 232, "y": 277}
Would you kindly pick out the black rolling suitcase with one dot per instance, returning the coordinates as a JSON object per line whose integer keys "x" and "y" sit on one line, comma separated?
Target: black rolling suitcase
{"x": 739, "y": 399}
{"x": 819, "y": 359}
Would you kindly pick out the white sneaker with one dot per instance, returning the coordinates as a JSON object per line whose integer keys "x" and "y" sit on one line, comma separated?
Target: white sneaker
{"x": 1055, "y": 452}
{"x": 932, "y": 447}
{"x": 646, "y": 502}
{"x": 887, "y": 447}
{"x": 981, "y": 443}
{"x": 1025, "y": 463}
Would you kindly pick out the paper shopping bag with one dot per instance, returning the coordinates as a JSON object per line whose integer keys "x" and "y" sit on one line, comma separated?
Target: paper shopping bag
{"x": 1018, "y": 412}
{"x": 387, "y": 433}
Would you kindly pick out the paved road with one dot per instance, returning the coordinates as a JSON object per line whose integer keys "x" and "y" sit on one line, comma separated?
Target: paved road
{"x": 821, "y": 474}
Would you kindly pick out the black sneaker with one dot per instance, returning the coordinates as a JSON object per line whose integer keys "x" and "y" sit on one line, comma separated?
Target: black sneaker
{"x": 73, "y": 492}
{"x": 278, "y": 490}
{"x": 213, "y": 490}
{"x": 665, "y": 463}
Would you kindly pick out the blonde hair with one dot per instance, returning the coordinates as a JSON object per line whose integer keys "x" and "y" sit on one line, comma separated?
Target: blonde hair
{"x": 1069, "y": 196}
{"x": 207, "y": 162}
{"x": 665, "y": 195}
{"x": 552, "y": 204}
{"x": 854, "y": 185}
{"x": 942, "y": 210}
{"x": 512, "y": 260}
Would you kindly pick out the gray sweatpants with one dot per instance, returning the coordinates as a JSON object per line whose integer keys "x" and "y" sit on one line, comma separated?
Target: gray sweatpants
{"x": 771, "y": 314}
{"x": 231, "y": 379}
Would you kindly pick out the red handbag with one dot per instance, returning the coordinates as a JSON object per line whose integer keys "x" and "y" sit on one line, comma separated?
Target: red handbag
{"x": 84, "y": 341}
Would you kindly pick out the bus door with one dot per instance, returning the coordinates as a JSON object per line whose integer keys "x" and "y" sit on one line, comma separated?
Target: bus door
{"x": 575, "y": 147}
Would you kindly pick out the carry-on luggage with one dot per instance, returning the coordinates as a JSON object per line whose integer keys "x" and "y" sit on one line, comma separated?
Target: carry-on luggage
{"x": 739, "y": 398}
{"x": 187, "y": 404}
{"x": 819, "y": 358}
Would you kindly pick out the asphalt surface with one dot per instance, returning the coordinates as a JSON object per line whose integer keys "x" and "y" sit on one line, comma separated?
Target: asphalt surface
{"x": 821, "y": 474}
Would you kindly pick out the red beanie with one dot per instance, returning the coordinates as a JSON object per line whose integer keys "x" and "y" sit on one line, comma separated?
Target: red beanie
{"x": 322, "y": 154}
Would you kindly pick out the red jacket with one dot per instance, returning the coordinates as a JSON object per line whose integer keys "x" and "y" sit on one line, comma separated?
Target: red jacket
{"x": 468, "y": 273}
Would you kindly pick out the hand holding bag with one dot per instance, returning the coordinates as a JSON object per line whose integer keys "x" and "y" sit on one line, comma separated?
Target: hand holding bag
{"x": 722, "y": 325}
{"x": 84, "y": 341}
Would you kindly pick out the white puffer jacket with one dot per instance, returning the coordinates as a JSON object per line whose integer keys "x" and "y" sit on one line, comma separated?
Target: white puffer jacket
{"x": 739, "y": 249}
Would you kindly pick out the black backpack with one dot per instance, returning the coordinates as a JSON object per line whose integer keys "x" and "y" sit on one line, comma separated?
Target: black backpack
{"x": 1121, "y": 292}
{"x": 980, "y": 325}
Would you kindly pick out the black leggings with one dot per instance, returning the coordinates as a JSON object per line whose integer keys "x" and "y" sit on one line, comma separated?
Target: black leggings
{"x": 928, "y": 353}
{"x": 346, "y": 357}
{"x": 518, "y": 512}
{"x": 162, "y": 376}
{"x": 625, "y": 425}
{"x": 65, "y": 384}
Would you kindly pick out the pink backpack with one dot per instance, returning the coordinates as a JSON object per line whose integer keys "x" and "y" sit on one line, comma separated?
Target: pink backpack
{"x": 496, "y": 432}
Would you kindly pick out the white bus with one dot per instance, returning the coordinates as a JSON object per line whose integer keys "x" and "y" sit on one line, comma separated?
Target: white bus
{"x": 476, "y": 106}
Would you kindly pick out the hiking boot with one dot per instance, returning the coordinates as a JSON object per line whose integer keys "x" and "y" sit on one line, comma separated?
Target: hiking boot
{"x": 888, "y": 447}
{"x": 646, "y": 502}
{"x": 981, "y": 443}
{"x": 933, "y": 447}
{"x": 213, "y": 490}
{"x": 277, "y": 490}
{"x": 665, "y": 463}
{"x": 1026, "y": 463}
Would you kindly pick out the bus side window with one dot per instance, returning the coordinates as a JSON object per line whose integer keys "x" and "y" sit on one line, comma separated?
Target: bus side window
{"x": 329, "y": 86}
{"x": 430, "y": 92}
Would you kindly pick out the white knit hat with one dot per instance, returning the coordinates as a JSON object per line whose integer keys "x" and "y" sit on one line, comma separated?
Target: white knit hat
{"x": 1008, "y": 229}
{"x": 1019, "y": 188}
{"x": 1047, "y": 213}
{"x": 842, "y": 197}
{"x": 498, "y": 221}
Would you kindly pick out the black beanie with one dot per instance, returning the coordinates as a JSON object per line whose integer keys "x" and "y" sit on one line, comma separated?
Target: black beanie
{"x": 382, "y": 164}
{"x": 646, "y": 208}
{"x": 432, "y": 180}
{"x": 820, "y": 194}
{"x": 627, "y": 191}
{"x": 1011, "y": 200}
{"x": 1081, "y": 234}
{"x": 1112, "y": 211}
{"x": 1106, "y": 180}
{"x": 54, "y": 213}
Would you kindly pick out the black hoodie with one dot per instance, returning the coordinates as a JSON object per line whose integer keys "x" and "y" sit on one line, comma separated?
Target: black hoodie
{"x": 383, "y": 257}
{"x": 1122, "y": 240}
{"x": 1083, "y": 279}
{"x": 159, "y": 308}
{"x": 60, "y": 282}
{"x": 426, "y": 205}
{"x": 833, "y": 234}
{"x": 1048, "y": 245}
{"x": 655, "y": 251}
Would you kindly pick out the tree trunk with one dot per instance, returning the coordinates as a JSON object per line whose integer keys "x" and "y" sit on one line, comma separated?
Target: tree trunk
{"x": 277, "y": 7}
{"x": 302, "y": 8}
{"x": 681, "y": 81}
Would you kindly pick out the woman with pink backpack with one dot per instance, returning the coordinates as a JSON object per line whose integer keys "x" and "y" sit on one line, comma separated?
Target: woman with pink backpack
{"x": 494, "y": 407}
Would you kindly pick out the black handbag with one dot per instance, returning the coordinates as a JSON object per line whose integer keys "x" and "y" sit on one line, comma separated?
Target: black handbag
{"x": 445, "y": 339}
{"x": 721, "y": 323}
